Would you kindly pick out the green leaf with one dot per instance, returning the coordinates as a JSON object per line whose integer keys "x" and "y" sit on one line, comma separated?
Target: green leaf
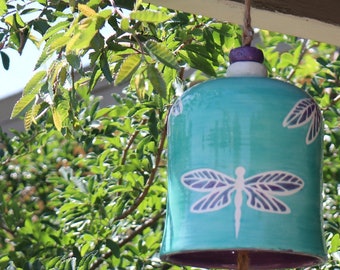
{"x": 55, "y": 29}
{"x": 157, "y": 81}
{"x": 46, "y": 53}
{"x": 71, "y": 264}
{"x": 161, "y": 53}
{"x": 114, "y": 247}
{"x": 52, "y": 262}
{"x": 120, "y": 189}
{"x": 125, "y": 24}
{"x": 88, "y": 28}
{"x": 3, "y": 7}
{"x": 150, "y": 16}
{"x": 97, "y": 72}
{"x": 58, "y": 43}
{"x": 21, "y": 104}
{"x": 28, "y": 119}
{"x": 152, "y": 123}
{"x": 322, "y": 61}
{"x": 5, "y": 60}
{"x": 30, "y": 116}
{"x": 105, "y": 67}
{"x": 86, "y": 10}
{"x": 63, "y": 109}
{"x": 286, "y": 59}
{"x": 74, "y": 43}
{"x": 57, "y": 119}
{"x": 297, "y": 54}
{"x": 15, "y": 21}
{"x": 106, "y": 14}
{"x": 74, "y": 60}
{"x": 140, "y": 86}
{"x": 199, "y": 50}
{"x": 33, "y": 86}
{"x": 58, "y": 72}
{"x": 41, "y": 26}
{"x": 198, "y": 62}
{"x": 87, "y": 259}
{"x": 128, "y": 67}
{"x": 335, "y": 243}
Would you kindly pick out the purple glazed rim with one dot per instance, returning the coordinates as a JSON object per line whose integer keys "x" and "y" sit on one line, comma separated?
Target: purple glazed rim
{"x": 258, "y": 258}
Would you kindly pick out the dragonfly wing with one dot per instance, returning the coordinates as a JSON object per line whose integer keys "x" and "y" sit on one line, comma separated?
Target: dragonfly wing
{"x": 215, "y": 200}
{"x": 206, "y": 180}
{"x": 275, "y": 183}
{"x": 314, "y": 127}
{"x": 265, "y": 202}
{"x": 300, "y": 114}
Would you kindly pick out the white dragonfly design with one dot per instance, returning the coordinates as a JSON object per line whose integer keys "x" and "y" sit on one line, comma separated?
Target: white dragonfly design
{"x": 304, "y": 111}
{"x": 260, "y": 189}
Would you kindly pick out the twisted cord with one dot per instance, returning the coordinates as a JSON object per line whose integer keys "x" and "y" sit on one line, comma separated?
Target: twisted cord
{"x": 242, "y": 260}
{"x": 248, "y": 31}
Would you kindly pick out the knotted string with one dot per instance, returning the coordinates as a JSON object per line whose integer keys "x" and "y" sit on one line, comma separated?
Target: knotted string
{"x": 248, "y": 31}
{"x": 242, "y": 260}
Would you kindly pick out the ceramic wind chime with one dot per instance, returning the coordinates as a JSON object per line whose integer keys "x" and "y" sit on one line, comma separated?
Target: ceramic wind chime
{"x": 244, "y": 171}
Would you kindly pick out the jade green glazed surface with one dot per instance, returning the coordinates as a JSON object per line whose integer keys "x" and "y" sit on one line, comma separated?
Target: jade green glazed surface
{"x": 244, "y": 173}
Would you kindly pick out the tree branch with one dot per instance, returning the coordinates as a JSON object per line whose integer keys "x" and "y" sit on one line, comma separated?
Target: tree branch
{"x": 126, "y": 240}
{"x": 128, "y": 146}
{"x": 138, "y": 201}
{"x": 18, "y": 150}
{"x": 5, "y": 228}
{"x": 116, "y": 9}
{"x": 152, "y": 176}
{"x": 302, "y": 54}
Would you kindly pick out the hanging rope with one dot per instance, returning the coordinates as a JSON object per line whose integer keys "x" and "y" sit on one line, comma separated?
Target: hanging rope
{"x": 247, "y": 37}
{"x": 242, "y": 260}
{"x": 248, "y": 32}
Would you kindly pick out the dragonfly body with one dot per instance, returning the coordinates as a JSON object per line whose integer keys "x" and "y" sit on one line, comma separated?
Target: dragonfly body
{"x": 260, "y": 189}
{"x": 239, "y": 187}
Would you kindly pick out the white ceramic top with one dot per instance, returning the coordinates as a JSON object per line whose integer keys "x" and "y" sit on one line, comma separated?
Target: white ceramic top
{"x": 246, "y": 69}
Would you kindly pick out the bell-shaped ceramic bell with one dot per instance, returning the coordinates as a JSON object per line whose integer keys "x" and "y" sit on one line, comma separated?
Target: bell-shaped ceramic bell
{"x": 244, "y": 173}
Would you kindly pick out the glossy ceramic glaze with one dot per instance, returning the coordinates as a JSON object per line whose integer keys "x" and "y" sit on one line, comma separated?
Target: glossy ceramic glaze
{"x": 244, "y": 174}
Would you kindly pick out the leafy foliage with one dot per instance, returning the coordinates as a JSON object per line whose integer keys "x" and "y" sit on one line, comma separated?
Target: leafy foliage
{"x": 84, "y": 187}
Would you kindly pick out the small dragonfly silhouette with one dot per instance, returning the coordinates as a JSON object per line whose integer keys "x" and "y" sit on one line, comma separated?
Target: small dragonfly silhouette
{"x": 304, "y": 111}
{"x": 260, "y": 189}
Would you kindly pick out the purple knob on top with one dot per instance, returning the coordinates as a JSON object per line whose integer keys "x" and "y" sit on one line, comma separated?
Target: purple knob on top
{"x": 246, "y": 53}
